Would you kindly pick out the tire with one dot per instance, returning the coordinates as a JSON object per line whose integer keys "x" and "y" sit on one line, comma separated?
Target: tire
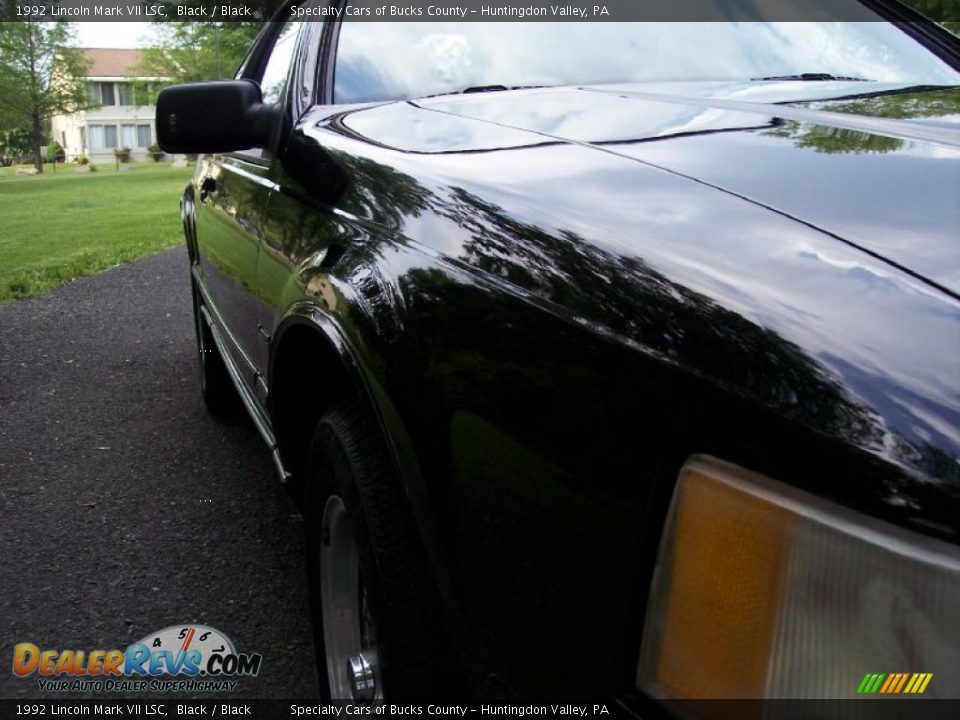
{"x": 353, "y": 498}
{"x": 217, "y": 388}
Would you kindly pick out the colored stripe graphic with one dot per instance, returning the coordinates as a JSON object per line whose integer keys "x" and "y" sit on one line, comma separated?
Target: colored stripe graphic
{"x": 894, "y": 683}
{"x": 891, "y": 681}
{"x": 871, "y": 683}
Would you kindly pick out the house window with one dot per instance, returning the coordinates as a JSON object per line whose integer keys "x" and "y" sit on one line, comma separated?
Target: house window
{"x": 101, "y": 93}
{"x": 135, "y": 136}
{"x": 125, "y": 94}
{"x": 128, "y": 135}
{"x": 103, "y": 137}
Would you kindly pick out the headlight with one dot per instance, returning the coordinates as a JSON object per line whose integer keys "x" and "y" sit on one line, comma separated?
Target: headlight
{"x": 763, "y": 591}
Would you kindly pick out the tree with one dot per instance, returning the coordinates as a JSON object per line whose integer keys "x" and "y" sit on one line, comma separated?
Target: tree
{"x": 194, "y": 51}
{"x": 945, "y": 12}
{"x": 13, "y": 144}
{"x": 41, "y": 75}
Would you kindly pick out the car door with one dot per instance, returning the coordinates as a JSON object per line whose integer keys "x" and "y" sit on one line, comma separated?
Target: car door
{"x": 234, "y": 190}
{"x": 298, "y": 223}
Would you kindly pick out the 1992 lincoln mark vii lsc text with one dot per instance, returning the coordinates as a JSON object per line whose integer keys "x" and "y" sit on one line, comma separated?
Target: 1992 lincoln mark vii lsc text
{"x": 608, "y": 359}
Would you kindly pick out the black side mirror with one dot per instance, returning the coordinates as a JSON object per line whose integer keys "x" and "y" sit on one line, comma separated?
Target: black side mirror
{"x": 211, "y": 117}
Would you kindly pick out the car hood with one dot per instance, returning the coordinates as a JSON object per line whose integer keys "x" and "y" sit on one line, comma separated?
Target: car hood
{"x": 867, "y": 163}
{"x": 700, "y": 225}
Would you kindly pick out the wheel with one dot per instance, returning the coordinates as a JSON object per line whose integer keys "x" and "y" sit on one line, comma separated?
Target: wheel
{"x": 217, "y": 388}
{"x": 375, "y": 612}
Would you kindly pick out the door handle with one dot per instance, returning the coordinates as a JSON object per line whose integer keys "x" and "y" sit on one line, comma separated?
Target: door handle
{"x": 209, "y": 185}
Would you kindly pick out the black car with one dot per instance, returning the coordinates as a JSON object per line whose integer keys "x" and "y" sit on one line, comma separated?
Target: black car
{"x": 608, "y": 360}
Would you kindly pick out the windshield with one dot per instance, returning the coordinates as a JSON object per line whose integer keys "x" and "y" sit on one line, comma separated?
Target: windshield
{"x": 392, "y": 61}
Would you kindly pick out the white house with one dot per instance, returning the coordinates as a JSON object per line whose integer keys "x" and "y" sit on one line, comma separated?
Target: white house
{"x": 121, "y": 120}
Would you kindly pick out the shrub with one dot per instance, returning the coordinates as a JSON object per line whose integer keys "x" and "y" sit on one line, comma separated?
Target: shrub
{"x": 155, "y": 153}
{"x": 82, "y": 160}
{"x": 55, "y": 152}
{"x": 123, "y": 154}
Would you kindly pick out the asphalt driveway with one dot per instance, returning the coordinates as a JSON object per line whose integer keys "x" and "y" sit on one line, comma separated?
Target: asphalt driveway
{"x": 126, "y": 508}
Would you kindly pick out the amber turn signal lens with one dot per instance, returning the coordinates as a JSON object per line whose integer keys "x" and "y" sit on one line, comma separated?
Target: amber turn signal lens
{"x": 764, "y": 591}
{"x": 728, "y": 557}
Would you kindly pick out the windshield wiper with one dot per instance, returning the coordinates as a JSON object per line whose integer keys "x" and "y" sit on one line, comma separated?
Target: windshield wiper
{"x": 814, "y": 77}
{"x": 485, "y": 88}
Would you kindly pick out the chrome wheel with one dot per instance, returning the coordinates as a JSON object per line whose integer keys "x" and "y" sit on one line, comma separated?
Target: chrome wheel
{"x": 348, "y": 632}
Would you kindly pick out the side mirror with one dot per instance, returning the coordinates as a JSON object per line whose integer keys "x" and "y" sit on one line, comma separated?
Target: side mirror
{"x": 211, "y": 117}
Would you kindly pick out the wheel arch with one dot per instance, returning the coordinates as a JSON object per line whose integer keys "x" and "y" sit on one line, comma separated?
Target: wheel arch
{"x": 314, "y": 365}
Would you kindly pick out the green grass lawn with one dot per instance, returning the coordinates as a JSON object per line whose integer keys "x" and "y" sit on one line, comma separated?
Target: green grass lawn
{"x": 57, "y": 227}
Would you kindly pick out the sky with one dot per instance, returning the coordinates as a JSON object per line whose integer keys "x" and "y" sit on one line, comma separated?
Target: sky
{"x": 112, "y": 34}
